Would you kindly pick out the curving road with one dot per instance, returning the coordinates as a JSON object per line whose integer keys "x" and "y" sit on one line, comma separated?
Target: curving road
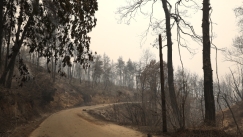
{"x": 78, "y": 123}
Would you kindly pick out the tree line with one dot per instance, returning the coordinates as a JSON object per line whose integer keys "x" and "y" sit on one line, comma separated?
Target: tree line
{"x": 175, "y": 15}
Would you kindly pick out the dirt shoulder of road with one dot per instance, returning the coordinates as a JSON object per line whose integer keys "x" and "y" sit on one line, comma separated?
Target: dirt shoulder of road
{"x": 25, "y": 129}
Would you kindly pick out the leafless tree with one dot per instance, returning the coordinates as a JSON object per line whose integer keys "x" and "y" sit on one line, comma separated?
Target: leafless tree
{"x": 129, "y": 12}
{"x": 235, "y": 53}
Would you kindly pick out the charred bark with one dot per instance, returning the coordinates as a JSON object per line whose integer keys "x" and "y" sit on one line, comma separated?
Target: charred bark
{"x": 173, "y": 100}
{"x": 1, "y": 30}
{"x": 164, "y": 121}
{"x": 207, "y": 69}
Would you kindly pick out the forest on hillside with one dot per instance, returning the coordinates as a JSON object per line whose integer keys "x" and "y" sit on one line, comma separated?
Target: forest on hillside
{"x": 52, "y": 36}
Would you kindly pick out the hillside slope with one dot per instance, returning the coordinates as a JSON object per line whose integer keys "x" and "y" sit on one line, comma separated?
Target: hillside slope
{"x": 226, "y": 118}
{"x": 39, "y": 97}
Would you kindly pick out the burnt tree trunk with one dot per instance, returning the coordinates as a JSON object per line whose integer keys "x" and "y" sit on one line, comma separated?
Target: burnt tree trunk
{"x": 172, "y": 94}
{"x": 1, "y": 30}
{"x": 37, "y": 60}
{"x": 164, "y": 122}
{"x": 55, "y": 68}
{"x": 10, "y": 75}
{"x": 80, "y": 74}
{"x": 207, "y": 69}
{"x": 8, "y": 45}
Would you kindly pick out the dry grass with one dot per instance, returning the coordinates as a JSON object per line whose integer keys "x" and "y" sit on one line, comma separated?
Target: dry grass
{"x": 226, "y": 121}
{"x": 110, "y": 114}
{"x": 202, "y": 132}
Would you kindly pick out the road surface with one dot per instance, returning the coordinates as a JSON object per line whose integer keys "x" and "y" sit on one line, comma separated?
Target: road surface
{"x": 78, "y": 123}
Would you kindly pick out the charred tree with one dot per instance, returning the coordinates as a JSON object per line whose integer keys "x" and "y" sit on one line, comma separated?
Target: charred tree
{"x": 164, "y": 122}
{"x": 207, "y": 69}
{"x": 173, "y": 100}
{"x": 1, "y": 30}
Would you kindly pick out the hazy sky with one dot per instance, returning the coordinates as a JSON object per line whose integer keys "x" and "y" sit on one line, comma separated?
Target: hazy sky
{"x": 119, "y": 39}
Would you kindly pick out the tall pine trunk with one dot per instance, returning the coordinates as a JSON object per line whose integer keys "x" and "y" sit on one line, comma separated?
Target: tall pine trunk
{"x": 7, "y": 52}
{"x": 207, "y": 69}
{"x": 164, "y": 121}
{"x": 10, "y": 75}
{"x": 172, "y": 94}
{"x": 54, "y": 70}
{"x": 80, "y": 74}
{"x": 1, "y": 30}
{"x": 37, "y": 60}
{"x": 52, "y": 67}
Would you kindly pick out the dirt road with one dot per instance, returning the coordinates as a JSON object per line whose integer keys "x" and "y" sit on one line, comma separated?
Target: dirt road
{"x": 78, "y": 123}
